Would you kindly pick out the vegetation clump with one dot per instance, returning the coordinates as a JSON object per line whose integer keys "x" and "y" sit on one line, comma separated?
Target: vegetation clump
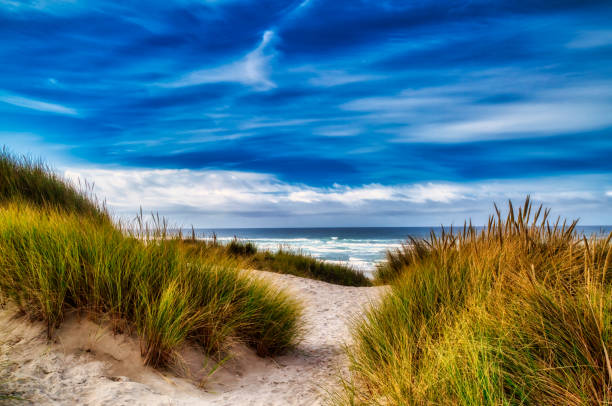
{"x": 27, "y": 180}
{"x": 241, "y": 248}
{"x": 517, "y": 313}
{"x": 282, "y": 261}
{"x": 299, "y": 264}
{"x": 60, "y": 253}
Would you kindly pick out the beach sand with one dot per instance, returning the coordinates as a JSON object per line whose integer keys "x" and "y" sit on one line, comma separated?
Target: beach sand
{"x": 86, "y": 364}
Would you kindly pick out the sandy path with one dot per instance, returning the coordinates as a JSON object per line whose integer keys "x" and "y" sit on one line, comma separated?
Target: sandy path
{"x": 87, "y": 365}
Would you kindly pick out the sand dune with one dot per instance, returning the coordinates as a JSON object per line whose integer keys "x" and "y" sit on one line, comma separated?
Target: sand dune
{"x": 88, "y": 365}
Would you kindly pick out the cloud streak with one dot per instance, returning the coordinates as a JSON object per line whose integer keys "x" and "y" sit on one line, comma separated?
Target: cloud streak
{"x": 33, "y": 104}
{"x": 518, "y": 120}
{"x": 214, "y": 198}
{"x": 252, "y": 70}
{"x": 446, "y": 116}
{"x": 591, "y": 39}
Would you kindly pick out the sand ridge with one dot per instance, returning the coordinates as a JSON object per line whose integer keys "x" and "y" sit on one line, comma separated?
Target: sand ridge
{"x": 89, "y": 365}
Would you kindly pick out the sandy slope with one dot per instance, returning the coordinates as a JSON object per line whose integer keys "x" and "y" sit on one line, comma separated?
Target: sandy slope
{"x": 88, "y": 365}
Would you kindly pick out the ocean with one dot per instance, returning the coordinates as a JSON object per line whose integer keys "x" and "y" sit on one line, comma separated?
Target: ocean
{"x": 359, "y": 247}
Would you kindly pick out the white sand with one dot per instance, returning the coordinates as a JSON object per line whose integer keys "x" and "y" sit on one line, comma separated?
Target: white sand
{"x": 88, "y": 365}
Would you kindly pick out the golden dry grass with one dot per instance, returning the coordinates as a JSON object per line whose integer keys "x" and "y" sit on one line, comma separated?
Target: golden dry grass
{"x": 282, "y": 261}
{"x": 517, "y": 313}
{"x": 60, "y": 251}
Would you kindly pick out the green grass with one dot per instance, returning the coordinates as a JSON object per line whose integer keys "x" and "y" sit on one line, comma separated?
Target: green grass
{"x": 60, "y": 252}
{"x": 282, "y": 261}
{"x": 300, "y": 264}
{"x": 52, "y": 262}
{"x": 31, "y": 181}
{"x": 517, "y": 314}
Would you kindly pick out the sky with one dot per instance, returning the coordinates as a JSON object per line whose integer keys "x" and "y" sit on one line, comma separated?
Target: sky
{"x": 236, "y": 113}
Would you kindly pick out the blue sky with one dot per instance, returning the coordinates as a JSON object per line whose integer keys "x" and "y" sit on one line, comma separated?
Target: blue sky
{"x": 315, "y": 113}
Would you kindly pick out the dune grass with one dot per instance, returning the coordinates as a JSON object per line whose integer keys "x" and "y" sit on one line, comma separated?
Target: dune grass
{"x": 53, "y": 262}
{"x": 519, "y": 313}
{"x": 25, "y": 179}
{"x": 60, "y": 252}
{"x": 282, "y": 261}
{"x": 306, "y": 266}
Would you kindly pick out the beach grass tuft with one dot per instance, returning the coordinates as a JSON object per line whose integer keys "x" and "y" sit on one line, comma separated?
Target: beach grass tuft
{"x": 60, "y": 252}
{"x": 25, "y": 179}
{"x": 519, "y": 313}
{"x": 281, "y": 261}
{"x": 300, "y": 264}
{"x": 52, "y": 262}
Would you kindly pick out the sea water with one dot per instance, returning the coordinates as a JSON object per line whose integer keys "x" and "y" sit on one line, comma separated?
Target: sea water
{"x": 359, "y": 247}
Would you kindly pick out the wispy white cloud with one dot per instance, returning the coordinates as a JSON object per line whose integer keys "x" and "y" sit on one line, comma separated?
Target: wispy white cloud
{"x": 126, "y": 189}
{"x": 518, "y": 120}
{"x": 252, "y": 70}
{"x": 204, "y": 138}
{"x": 462, "y": 114}
{"x": 270, "y": 123}
{"x": 402, "y": 103}
{"x": 591, "y": 39}
{"x": 346, "y": 130}
{"x": 39, "y": 105}
{"x": 231, "y": 191}
{"x": 358, "y": 196}
{"x": 40, "y": 5}
{"x": 230, "y": 198}
{"x": 337, "y": 77}
{"x": 304, "y": 3}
